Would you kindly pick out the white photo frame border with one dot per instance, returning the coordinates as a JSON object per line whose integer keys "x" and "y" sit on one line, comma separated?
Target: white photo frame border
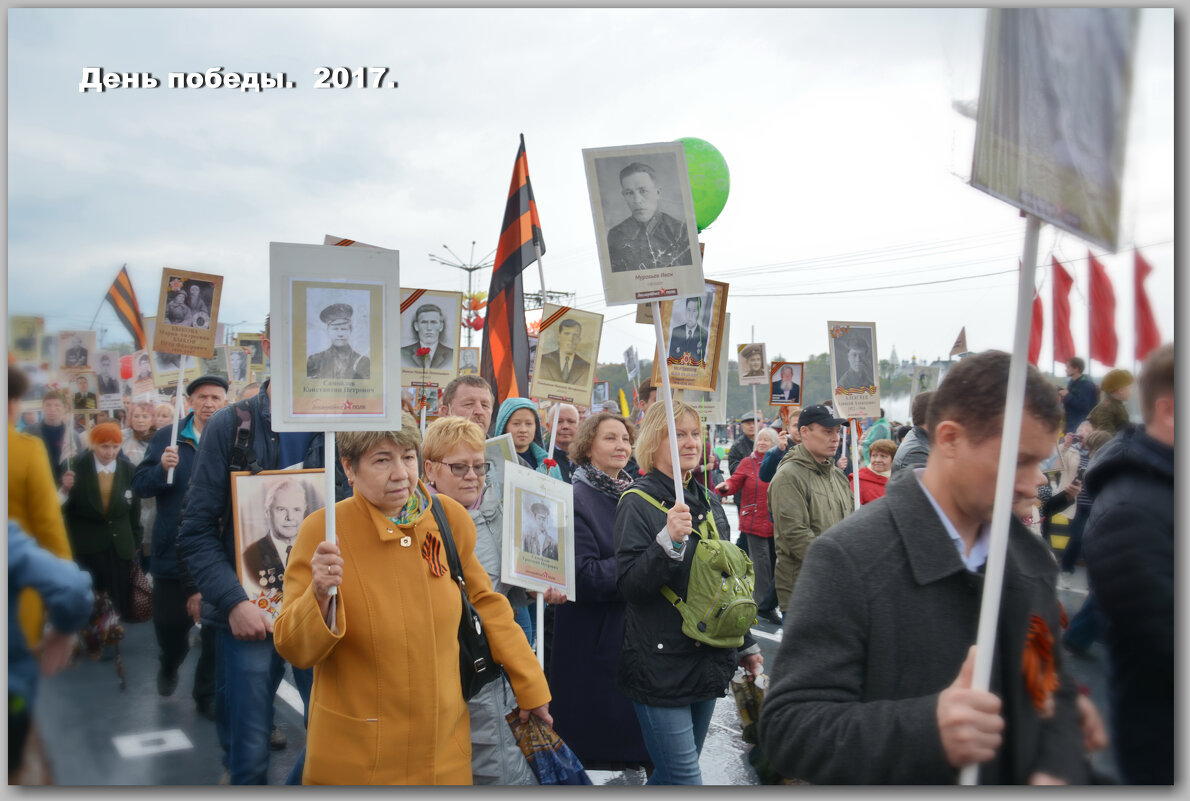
{"x": 518, "y": 477}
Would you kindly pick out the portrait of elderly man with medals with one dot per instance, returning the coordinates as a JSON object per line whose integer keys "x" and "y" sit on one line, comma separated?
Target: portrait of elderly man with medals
{"x": 340, "y": 360}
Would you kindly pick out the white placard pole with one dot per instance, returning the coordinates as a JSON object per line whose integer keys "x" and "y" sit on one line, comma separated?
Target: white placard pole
{"x": 756, "y": 421}
{"x": 554, "y": 430}
{"x": 540, "y": 644}
{"x": 854, "y": 462}
{"x": 993, "y": 584}
{"x": 173, "y": 437}
{"x": 679, "y": 496}
{"x": 540, "y": 272}
{"x": 329, "y": 462}
{"x": 423, "y": 415}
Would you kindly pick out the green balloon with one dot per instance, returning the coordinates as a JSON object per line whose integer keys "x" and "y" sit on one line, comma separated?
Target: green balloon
{"x": 710, "y": 180}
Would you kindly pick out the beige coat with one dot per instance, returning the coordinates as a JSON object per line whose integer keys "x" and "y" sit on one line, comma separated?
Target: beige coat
{"x": 386, "y": 706}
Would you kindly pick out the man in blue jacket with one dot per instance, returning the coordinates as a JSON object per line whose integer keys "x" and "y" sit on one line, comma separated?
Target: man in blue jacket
{"x": 248, "y": 669}
{"x": 175, "y": 598}
{"x": 1080, "y": 395}
{"x": 1129, "y": 547}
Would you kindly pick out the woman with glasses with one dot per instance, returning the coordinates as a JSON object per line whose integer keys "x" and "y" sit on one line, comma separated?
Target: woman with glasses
{"x": 455, "y": 466}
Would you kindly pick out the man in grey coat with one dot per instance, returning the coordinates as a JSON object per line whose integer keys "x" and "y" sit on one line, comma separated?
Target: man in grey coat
{"x": 872, "y": 681}
{"x": 915, "y": 448}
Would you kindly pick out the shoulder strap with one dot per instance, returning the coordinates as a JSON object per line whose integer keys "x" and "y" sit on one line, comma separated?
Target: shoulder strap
{"x": 711, "y": 530}
{"x": 448, "y": 542}
{"x": 242, "y": 457}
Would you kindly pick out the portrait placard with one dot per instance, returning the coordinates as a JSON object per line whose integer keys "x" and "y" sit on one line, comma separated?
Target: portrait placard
{"x": 187, "y": 311}
{"x": 645, "y": 228}
{"x": 752, "y": 364}
{"x": 24, "y": 337}
{"x": 855, "y": 371}
{"x": 632, "y": 363}
{"x": 269, "y": 509}
{"x": 712, "y": 406}
{"x": 336, "y": 359}
{"x": 430, "y": 327}
{"x": 142, "y": 374}
{"x": 165, "y": 365}
{"x": 568, "y": 347}
{"x": 75, "y": 350}
{"x": 238, "y": 360}
{"x": 108, "y": 385}
{"x": 538, "y": 542}
{"x": 693, "y": 326}
{"x": 216, "y": 365}
{"x": 600, "y": 394}
{"x": 83, "y": 397}
{"x": 468, "y": 361}
{"x": 431, "y": 397}
{"x": 499, "y": 451}
{"x": 925, "y": 379}
{"x": 785, "y": 379}
{"x": 252, "y": 343}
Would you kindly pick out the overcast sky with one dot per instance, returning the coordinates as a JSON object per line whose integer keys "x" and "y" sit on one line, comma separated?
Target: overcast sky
{"x": 848, "y": 163}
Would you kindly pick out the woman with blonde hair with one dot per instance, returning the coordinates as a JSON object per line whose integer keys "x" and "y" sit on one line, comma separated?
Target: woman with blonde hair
{"x": 672, "y": 680}
{"x": 387, "y": 705}
{"x": 455, "y": 465}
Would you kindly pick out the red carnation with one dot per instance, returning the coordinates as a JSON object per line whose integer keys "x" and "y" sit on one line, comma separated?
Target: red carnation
{"x": 551, "y": 463}
{"x": 423, "y": 351}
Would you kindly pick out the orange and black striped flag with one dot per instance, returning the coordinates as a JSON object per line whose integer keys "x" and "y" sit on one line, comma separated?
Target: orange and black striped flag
{"x": 123, "y": 300}
{"x": 505, "y": 360}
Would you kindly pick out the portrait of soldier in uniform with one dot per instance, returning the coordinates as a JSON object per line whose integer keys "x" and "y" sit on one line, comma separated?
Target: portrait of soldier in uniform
{"x": 76, "y": 354}
{"x": 84, "y": 398}
{"x": 689, "y": 337}
{"x": 428, "y": 325}
{"x": 752, "y": 360}
{"x": 340, "y": 360}
{"x": 564, "y": 364}
{"x": 537, "y": 535}
{"x": 285, "y": 509}
{"x": 649, "y": 238}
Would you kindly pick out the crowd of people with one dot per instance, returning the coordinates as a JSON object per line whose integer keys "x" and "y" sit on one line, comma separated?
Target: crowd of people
{"x": 878, "y": 599}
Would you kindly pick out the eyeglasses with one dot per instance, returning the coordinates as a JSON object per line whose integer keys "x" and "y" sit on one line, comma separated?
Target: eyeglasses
{"x": 459, "y": 470}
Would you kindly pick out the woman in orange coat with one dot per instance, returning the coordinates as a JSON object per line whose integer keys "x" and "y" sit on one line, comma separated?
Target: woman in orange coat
{"x": 387, "y": 704}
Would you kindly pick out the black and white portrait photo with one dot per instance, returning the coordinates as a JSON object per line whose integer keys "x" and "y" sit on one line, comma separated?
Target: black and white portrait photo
{"x": 468, "y": 361}
{"x": 599, "y": 394}
{"x": 189, "y": 302}
{"x": 631, "y": 365}
{"x": 107, "y": 373}
{"x": 564, "y": 363}
{"x": 690, "y": 328}
{"x": 216, "y": 365}
{"x": 786, "y": 386}
{"x": 752, "y": 364}
{"x": 75, "y": 348}
{"x": 25, "y": 337}
{"x": 539, "y": 530}
{"x": 237, "y": 364}
{"x": 569, "y": 345}
{"x": 644, "y": 221}
{"x": 337, "y": 339}
{"x": 854, "y": 363}
{"x": 854, "y": 370}
{"x": 430, "y": 334}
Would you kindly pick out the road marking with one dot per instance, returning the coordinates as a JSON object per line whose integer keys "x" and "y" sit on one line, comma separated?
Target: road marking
{"x": 289, "y": 694}
{"x": 764, "y": 634}
{"x": 151, "y": 742}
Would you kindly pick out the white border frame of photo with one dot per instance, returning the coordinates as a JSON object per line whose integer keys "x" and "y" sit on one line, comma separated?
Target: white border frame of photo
{"x": 185, "y": 339}
{"x": 469, "y": 370}
{"x": 375, "y": 269}
{"x": 520, "y": 481}
{"x": 499, "y": 450}
{"x": 718, "y": 318}
{"x": 598, "y": 402}
{"x": 87, "y": 341}
{"x": 552, "y": 316}
{"x": 270, "y": 603}
{"x": 712, "y": 405}
{"x": 450, "y": 302}
{"x": 756, "y": 380}
{"x": 857, "y": 402}
{"x": 915, "y": 387}
{"x": 643, "y": 286}
{"x": 799, "y": 379}
{"x": 24, "y": 320}
{"x": 242, "y": 341}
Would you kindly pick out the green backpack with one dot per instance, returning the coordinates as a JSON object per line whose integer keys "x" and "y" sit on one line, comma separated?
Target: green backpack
{"x": 718, "y": 609}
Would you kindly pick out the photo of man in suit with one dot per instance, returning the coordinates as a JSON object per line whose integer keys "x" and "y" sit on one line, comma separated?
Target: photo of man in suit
{"x": 76, "y": 354}
{"x": 538, "y": 536}
{"x": 285, "y": 509}
{"x": 689, "y": 337}
{"x": 648, "y": 239}
{"x": 108, "y": 378}
{"x": 144, "y": 367}
{"x": 340, "y": 360}
{"x": 428, "y": 324}
{"x": 84, "y": 398}
{"x": 785, "y": 389}
{"x": 564, "y": 364}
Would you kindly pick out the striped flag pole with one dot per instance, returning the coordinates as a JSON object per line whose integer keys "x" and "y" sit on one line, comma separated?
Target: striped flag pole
{"x": 504, "y": 362}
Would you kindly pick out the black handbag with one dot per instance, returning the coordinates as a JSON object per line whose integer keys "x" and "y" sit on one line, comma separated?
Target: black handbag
{"x": 476, "y": 665}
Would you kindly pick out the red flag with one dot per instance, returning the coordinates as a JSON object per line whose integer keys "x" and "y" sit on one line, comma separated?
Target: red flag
{"x": 1102, "y": 309}
{"x": 1147, "y": 335}
{"x": 1063, "y": 341}
{"x": 505, "y": 357}
{"x": 1036, "y": 330}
